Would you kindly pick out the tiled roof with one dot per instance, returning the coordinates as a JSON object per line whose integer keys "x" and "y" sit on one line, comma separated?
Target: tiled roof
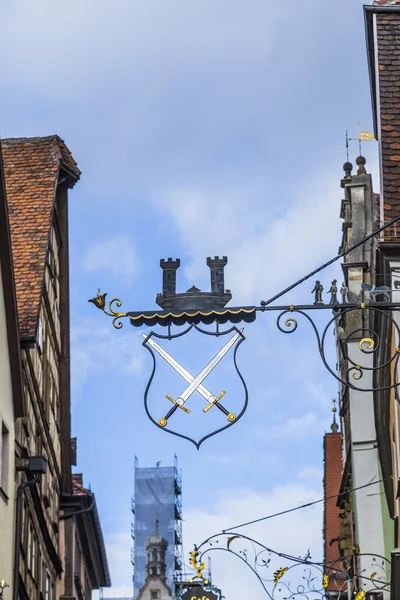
{"x": 332, "y": 521}
{"x": 388, "y": 41}
{"x": 78, "y": 488}
{"x": 388, "y": 2}
{"x": 31, "y": 169}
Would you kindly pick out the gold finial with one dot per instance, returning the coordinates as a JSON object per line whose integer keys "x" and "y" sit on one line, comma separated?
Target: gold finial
{"x": 334, "y": 426}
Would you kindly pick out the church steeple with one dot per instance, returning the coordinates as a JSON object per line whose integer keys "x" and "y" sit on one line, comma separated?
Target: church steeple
{"x": 156, "y": 547}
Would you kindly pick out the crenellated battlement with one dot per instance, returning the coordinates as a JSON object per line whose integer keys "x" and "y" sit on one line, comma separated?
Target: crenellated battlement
{"x": 217, "y": 261}
{"x": 170, "y": 263}
{"x": 193, "y": 298}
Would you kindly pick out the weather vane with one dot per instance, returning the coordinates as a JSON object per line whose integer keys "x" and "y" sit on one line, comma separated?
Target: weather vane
{"x": 363, "y": 136}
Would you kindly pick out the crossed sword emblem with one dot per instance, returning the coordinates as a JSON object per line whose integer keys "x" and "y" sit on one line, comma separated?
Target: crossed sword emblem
{"x": 195, "y": 383}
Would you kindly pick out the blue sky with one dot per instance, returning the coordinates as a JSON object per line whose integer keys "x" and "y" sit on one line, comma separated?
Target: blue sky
{"x": 201, "y": 128}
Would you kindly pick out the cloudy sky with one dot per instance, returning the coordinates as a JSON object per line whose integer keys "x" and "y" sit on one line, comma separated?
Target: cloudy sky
{"x": 202, "y": 127}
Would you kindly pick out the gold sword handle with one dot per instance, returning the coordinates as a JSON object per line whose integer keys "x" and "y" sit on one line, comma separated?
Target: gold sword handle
{"x": 207, "y": 408}
{"x": 187, "y": 410}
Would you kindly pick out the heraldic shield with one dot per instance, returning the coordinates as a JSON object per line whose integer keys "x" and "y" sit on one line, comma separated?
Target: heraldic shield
{"x": 195, "y": 386}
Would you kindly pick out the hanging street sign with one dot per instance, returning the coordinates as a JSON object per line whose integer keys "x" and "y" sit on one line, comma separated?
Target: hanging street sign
{"x": 194, "y": 308}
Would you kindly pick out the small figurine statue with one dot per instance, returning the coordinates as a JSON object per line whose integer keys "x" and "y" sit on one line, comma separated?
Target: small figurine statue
{"x": 344, "y": 291}
{"x": 333, "y": 292}
{"x": 318, "y": 289}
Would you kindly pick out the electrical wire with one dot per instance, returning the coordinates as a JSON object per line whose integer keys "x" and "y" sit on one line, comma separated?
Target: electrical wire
{"x": 289, "y": 510}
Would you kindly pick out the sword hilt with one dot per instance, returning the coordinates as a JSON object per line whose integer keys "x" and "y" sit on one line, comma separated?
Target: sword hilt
{"x": 209, "y": 406}
{"x": 187, "y": 410}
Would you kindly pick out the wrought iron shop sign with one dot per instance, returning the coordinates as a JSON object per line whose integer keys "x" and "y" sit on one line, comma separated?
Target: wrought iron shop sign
{"x": 192, "y": 310}
{"x": 198, "y": 592}
{"x": 284, "y": 577}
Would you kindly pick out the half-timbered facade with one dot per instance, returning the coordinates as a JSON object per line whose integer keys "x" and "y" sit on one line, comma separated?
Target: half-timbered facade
{"x": 38, "y": 174}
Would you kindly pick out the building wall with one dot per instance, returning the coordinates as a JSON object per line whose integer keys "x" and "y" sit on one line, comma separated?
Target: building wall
{"x": 332, "y": 522}
{"x": 40, "y": 434}
{"x": 76, "y": 581}
{"x": 357, "y": 405}
{"x": 7, "y": 487}
{"x": 155, "y": 589}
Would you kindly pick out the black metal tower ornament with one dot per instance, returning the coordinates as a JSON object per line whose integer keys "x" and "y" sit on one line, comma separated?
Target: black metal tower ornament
{"x": 194, "y": 308}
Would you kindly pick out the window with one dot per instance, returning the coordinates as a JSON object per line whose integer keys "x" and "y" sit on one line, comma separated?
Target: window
{"x": 4, "y": 457}
{"x": 40, "y": 335}
{"x": 29, "y": 546}
{"x": 155, "y": 594}
{"x": 78, "y": 557}
{"x": 48, "y": 588}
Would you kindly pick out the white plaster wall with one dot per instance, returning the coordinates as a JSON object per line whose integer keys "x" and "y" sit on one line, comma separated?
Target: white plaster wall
{"x": 154, "y": 584}
{"x": 6, "y": 415}
{"x": 365, "y": 466}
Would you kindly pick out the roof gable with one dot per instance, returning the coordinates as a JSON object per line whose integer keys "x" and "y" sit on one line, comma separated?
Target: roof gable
{"x": 31, "y": 169}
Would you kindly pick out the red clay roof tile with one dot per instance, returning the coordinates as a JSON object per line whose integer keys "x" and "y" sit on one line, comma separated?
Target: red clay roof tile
{"x": 31, "y": 169}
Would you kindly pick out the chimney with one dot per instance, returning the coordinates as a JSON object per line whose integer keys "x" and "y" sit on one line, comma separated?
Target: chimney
{"x": 169, "y": 268}
{"x": 217, "y": 265}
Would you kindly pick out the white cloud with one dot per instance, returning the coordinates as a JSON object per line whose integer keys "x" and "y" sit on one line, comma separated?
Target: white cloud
{"x": 97, "y": 349}
{"x": 118, "y": 547}
{"x": 117, "y": 255}
{"x": 268, "y": 246}
{"x": 311, "y": 473}
{"x": 303, "y": 427}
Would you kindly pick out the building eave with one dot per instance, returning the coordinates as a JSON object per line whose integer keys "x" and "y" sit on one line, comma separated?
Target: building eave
{"x": 89, "y": 525}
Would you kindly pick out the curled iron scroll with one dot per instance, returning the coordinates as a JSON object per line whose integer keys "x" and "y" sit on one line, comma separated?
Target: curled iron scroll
{"x": 284, "y": 576}
{"x": 369, "y": 342}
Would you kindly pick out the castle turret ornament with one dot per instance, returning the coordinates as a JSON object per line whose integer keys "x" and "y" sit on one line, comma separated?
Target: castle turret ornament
{"x": 193, "y": 298}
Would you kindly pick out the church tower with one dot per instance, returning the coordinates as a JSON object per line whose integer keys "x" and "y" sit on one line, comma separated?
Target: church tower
{"x": 156, "y": 548}
{"x": 155, "y": 585}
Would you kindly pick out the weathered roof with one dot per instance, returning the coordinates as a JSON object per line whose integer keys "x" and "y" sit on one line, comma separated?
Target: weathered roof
{"x": 32, "y": 167}
{"x": 97, "y": 547}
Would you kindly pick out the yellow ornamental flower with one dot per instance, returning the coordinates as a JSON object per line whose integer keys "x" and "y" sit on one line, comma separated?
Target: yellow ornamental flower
{"x": 360, "y": 596}
{"x": 279, "y": 574}
{"x": 325, "y": 581}
{"x": 99, "y": 300}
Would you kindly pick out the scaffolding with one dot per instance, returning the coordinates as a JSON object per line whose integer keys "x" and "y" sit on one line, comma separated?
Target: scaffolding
{"x": 158, "y": 497}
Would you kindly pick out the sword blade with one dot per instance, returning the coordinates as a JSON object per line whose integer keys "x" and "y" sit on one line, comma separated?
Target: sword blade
{"x": 203, "y": 391}
{"x": 207, "y": 369}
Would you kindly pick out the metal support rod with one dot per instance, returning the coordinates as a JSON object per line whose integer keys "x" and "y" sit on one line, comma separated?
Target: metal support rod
{"x": 79, "y": 512}
{"x": 18, "y": 526}
{"x": 330, "y": 262}
{"x": 333, "y": 307}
